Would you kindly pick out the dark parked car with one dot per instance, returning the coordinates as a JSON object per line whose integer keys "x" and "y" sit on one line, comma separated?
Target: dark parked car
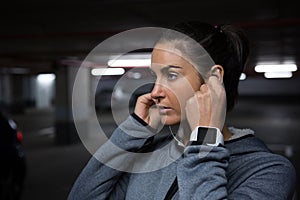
{"x": 12, "y": 155}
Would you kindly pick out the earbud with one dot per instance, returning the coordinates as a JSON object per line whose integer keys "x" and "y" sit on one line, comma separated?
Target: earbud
{"x": 217, "y": 73}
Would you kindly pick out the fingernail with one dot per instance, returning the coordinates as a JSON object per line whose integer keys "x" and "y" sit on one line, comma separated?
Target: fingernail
{"x": 204, "y": 87}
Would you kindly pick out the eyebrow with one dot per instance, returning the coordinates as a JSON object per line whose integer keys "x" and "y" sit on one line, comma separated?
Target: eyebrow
{"x": 169, "y": 67}
{"x": 166, "y": 68}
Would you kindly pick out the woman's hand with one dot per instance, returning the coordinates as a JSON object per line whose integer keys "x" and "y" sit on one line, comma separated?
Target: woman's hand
{"x": 208, "y": 105}
{"x": 146, "y": 109}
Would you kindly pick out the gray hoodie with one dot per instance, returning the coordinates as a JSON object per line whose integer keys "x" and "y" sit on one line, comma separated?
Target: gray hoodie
{"x": 137, "y": 164}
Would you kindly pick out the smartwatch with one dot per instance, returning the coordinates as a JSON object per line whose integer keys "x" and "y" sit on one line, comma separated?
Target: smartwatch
{"x": 209, "y": 136}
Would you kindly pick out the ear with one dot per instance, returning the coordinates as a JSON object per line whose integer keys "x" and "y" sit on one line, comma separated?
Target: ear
{"x": 218, "y": 71}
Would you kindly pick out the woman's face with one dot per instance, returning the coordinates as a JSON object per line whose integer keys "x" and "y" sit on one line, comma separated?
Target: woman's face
{"x": 176, "y": 82}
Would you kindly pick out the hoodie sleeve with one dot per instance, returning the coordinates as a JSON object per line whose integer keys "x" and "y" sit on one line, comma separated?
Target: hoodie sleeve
{"x": 105, "y": 175}
{"x": 202, "y": 174}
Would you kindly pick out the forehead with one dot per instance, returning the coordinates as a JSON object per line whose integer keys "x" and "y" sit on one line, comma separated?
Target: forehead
{"x": 167, "y": 54}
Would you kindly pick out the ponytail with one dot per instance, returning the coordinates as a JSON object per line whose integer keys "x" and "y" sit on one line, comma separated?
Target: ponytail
{"x": 237, "y": 47}
{"x": 239, "y": 42}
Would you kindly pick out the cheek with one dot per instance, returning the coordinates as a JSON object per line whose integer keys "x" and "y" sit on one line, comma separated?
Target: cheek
{"x": 181, "y": 90}
{"x": 174, "y": 100}
{"x": 180, "y": 96}
{"x": 188, "y": 89}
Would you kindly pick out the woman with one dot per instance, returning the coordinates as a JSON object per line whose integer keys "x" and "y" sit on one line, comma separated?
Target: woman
{"x": 197, "y": 69}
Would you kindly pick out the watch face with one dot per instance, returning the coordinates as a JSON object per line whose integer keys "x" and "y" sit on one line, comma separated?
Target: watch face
{"x": 207, "y": 135}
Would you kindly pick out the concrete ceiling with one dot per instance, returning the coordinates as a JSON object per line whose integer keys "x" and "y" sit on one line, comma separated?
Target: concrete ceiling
{"x": 35, "y": 34}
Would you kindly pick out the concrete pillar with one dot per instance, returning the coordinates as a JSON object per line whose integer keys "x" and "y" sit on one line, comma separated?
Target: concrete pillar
{"x": 5, "y": 91}
{"x": 12, "y": 93}
{"x": 29, "y": 91}
{"x": 66, "y": 132}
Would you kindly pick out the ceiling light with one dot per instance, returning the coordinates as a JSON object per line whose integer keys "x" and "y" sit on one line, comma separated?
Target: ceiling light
{"x": 243, "y": 76}
{"x": 130, "y": 60}
{"x": 107, "y": 71}
{"x": 130, "y": 63}
{"x": 278, "y": 74}
{"x": 45, "y": 78}
{"x": 276, "y": 68}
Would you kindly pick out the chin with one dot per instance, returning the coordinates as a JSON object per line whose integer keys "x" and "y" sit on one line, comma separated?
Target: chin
{"x": 170, "y": 120}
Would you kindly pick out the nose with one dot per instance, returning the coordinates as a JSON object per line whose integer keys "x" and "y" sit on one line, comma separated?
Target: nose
{"x": 158, "y": 92}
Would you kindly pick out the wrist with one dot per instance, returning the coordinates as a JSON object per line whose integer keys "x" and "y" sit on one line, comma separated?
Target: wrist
{"x": 139, "y": 119}
{"x": 143, "y": 123}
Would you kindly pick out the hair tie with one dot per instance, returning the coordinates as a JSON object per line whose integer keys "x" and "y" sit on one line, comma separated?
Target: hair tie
{"x": 219, "y": 28}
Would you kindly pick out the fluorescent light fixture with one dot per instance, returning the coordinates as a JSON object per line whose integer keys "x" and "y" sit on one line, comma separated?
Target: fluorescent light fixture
{"x": 130, "y": 60}
{"x": 107, "y": 71}
{"x": 45, "y": 78}
{"x": 278, "y": 74}
{"x": 243, "y": 76}
{"x": 130, "y": 63}
{"x": 276, "y": 68}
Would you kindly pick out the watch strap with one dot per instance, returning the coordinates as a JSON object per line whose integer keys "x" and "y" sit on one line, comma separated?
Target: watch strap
{"x": 203, "y": 135}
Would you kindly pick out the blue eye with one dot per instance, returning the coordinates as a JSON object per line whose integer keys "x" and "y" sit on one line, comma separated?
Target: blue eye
{"x": 172, "y": 76}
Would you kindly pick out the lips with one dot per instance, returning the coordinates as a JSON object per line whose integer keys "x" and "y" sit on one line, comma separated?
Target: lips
{"x": 163, "y": 109}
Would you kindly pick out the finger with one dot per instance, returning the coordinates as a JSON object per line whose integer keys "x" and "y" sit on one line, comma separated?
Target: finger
{"x": 214, "y": 83}
{"x": 142, "y": 106}
{"x": 213, "y": 79}
{"x": 203, "y": 88}
{"x": 146, "y": 99}
{"x": 143, "y": 103}
{"x": 147, "y": 96}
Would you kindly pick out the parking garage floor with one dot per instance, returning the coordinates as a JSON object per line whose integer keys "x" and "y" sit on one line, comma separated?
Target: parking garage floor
{"x": 52, "y": 169}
